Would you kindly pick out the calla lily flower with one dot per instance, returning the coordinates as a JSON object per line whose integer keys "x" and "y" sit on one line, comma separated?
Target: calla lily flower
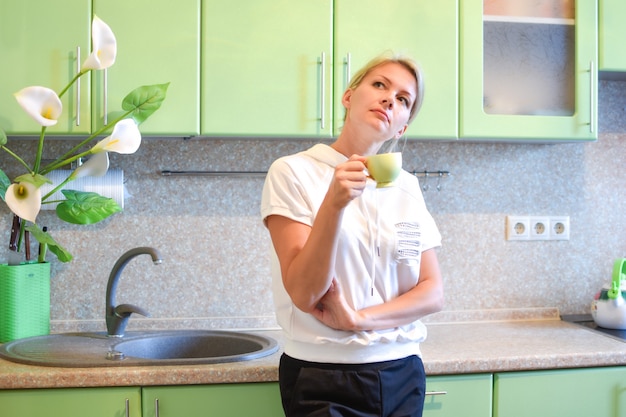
{"x": 41, "y": 103}
{"x": 124, "y": 139}
{"x": 104, "y": 47}
{"x": 95, "y": 166}
{"x": 24, "y": 199}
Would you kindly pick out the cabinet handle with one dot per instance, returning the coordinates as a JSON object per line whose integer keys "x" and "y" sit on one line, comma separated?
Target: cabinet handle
{"x": 105, "y": 95}
{"x": 78, "y": 87}
{"x": 348, "y": 62}
{"x": 156, "y": 407}
{"x": 322, "y": 64}
{"x": 127, "y": 414}
{"x": 591, "y": 97}
{"x": 436, "y": 393}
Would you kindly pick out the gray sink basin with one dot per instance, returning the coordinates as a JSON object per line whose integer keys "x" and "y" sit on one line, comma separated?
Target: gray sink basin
{"x": 175, "y": 347}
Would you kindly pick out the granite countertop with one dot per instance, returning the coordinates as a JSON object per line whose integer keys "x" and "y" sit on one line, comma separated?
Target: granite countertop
{"x": 451, "y": 348}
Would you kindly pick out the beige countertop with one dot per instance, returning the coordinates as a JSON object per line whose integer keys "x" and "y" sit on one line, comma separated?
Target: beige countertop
{"x": 451, "y": 348}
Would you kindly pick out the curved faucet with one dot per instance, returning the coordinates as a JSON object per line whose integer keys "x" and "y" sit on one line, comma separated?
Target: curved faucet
{"x": 117, "y": 316}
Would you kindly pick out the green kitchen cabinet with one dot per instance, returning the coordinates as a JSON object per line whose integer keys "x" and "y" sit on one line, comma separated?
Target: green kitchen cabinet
{"x": 264, "y": 68}
{"x": 611, "y": 35}
{"x": 261, "y": 399}
{"x": 597, "y": 392}
{"x": 421, "y": 29}
{"x": 44, "y": 44}
{"x": 278, "y": 68}
{"x": 71, "y": 402}
{"x": 528, "y": 76}
{"x": 458, "y": 395}
{"x": 157, "y": 42}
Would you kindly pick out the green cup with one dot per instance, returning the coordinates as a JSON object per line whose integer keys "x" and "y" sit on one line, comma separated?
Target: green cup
{"x": 384, "y": 168}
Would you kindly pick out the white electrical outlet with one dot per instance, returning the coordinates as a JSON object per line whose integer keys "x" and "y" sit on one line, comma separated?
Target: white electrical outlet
{"x": 559, "y": 228}
{"x": 517, "y": 228}
{"x": 539, "y": 228}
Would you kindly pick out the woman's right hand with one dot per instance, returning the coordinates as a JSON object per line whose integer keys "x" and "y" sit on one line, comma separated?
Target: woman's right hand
{"x": 348, "y": 181}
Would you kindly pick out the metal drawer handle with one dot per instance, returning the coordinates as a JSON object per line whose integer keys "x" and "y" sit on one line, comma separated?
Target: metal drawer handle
{"x": 78, "y": 87}
{"x": 591, "y": 97}
{"x": 106, "y": 96}
{"x": 322, "y": 63}
{"x": 436, "y": 393}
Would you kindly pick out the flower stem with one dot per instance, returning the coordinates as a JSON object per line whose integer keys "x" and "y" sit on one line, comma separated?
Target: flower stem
{"x": 39, "y": 150}
{"x": 61, "y": 162}
{"x": 14, "y": 155}
{"x": 67, "y": 87}
{"x": 66, "y": 158}
{"x": 57, "y": 188}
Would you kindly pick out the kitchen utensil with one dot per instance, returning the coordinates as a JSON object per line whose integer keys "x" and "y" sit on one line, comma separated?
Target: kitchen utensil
{"x": 608, "y": 309}
{"x": 14, "y": 256}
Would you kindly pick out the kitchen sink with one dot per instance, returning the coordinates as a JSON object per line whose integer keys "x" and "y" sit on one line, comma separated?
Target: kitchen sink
{"x": 174, "y": 347}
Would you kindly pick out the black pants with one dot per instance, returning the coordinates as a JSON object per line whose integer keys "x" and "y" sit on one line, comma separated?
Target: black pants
{"x": 383, "y": 389}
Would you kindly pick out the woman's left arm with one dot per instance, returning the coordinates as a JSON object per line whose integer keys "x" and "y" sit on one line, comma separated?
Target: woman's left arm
{"x": 423, "y": 299}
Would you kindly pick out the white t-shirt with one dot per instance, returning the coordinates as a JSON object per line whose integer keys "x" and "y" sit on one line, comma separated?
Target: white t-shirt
{"x": 382, "y": 236}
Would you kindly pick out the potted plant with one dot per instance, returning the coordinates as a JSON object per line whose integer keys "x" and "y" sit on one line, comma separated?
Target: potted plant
{"x": 21, "y": 278}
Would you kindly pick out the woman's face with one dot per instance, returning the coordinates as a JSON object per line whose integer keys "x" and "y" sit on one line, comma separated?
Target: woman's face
{"x": 383, "y": 100}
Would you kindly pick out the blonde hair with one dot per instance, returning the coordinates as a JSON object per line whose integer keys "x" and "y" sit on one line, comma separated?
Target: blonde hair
{"x": 407, "y": 63}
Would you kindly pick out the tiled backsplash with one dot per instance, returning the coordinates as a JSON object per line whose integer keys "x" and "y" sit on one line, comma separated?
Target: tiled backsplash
{"x": 216, "y": 261}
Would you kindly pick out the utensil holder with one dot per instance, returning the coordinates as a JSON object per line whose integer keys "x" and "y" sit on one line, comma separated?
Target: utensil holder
{"x": 24, "y": 300}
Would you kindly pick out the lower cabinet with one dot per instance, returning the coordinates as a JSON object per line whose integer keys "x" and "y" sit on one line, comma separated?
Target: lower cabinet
{"x": 461, "y": 395}
{"x": 261, "y": 399}
{"x": 593, "y": 392}
{"x": 71, "y": 402}
{"x": 585, "y": 392}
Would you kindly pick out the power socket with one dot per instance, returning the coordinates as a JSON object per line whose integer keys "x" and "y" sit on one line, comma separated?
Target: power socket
{"x": 559, "y": 228}
{"x": 539, "y": 228}
{"x": 517, "y": 228}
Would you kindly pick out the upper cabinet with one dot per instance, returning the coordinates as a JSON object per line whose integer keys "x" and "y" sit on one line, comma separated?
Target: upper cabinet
{"x": 44, "y": 45}
{"x": 528, "y": 70}
{"x": 612, "y": 32}
{"x": 157, "y": 42}
{"x": 264, "y": 69}
{"x": 421, "y": 29}
{"x": 279, "y": 68}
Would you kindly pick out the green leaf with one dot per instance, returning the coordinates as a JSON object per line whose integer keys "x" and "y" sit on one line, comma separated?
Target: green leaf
{"x": 3, "y": 137}
{"x": 144, "y": 101}
{"x": 4, "y": 183}
{"x": 36, "y": 179}
{"x": 85, "y": 207}
{"x": 45, "y": 239}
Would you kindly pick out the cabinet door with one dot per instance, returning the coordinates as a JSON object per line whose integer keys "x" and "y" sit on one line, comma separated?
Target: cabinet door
{"x": 71, "y": 402}
{"x": 612, "y": 32}
{"x": 158, "y": 41}
{"x": 453, "y": 396}
{"x": 529, "y": 78}
{"x": 597, "y": 392}
{"x": 262, "y": 71}
{"x": 221, "y": 400}
{"x": 425, "y": 31}
{"x": 39, "y": 43}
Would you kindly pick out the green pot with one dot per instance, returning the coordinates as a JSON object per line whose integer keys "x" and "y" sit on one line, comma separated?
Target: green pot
{"x": 24, "y": 300}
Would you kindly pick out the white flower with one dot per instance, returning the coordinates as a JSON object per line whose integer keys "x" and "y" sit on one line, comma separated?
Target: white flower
{"x": 104, "y": 47}
{"x": 95, "y": 166}
{"x": 24, "y": 199}
{"x": 125, "y": 139}
{"x": 41, "y": 103}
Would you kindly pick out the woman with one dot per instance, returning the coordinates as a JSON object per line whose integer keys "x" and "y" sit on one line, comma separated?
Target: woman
{"x": 354, "y": 266}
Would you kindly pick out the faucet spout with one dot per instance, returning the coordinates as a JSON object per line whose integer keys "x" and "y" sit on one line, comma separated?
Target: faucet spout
{"x": 117, "y": 316}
